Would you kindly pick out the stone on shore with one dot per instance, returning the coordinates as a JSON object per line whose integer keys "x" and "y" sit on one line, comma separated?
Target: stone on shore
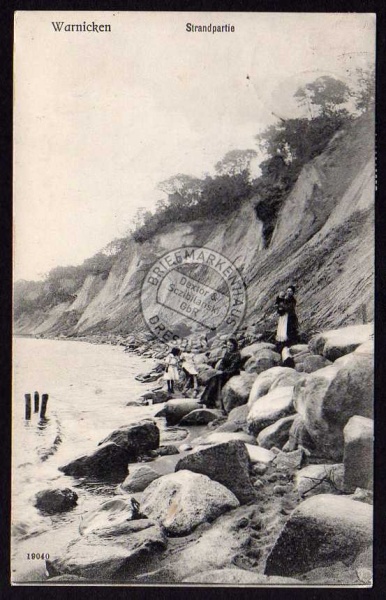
{"x": 264, "y": 381}
{"x": 111, "y": 557}
{"x": 255, "y": 348}
{"x": 140, "y": 478}
{"x": 236, "y": 391}
{"x": 201, "y": 416}
{"x": 237, "y": 576}
{"x": 237, "y": 420}
{"x": 298, "y": 436}
{"x": 222, "y": 437}
{"x": 108, "y": 462}
{"x": 259, "y": 455}
{"x": 299, "y": 349}
{"x": 270, "y": 408}
{"x": 319, "y": 479}
{"x": 238, "y": 415}
{"x": 174, "y": 410}
{"x": 287, "y": 379}
{"x": 230, "y": 540}
{"x": 136, "y": 438}
{"x": 321, "y": 530}
{"x": 312, "y": 363}
{"x": 53, "y": 501}
{"x": 337, "y": 342}
{"x": 328, "y": 398}
{"x": 226, "y": 463}
{"x": 358, "y": 453}
{"x": 262, "y": 361}
{"x": 181, "y": 501}
{"x": 366, "y": 348}
{"x": 205, "y": 372}
{"x": 156, "y": 396}
{"x": 276, "y": 434}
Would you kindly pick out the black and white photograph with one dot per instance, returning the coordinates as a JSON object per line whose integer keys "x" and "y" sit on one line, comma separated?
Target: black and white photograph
{"x": 193, "y": 299}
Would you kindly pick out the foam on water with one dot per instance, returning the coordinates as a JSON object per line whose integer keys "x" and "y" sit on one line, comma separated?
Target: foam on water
{"x": 89, "y": 386}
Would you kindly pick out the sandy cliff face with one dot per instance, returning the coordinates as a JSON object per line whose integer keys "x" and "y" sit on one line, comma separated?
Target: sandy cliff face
{"x": 322, "y": 242}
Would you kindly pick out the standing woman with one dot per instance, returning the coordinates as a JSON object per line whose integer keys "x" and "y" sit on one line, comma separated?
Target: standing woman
{"x": 292, "y": 323}
{"x": 171, "y": 368}
{"x": 227, "y": 367}
{"x": 287, "y": 325}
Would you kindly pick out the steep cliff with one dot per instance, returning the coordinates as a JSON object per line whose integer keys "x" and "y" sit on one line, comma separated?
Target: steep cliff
{"x": 322, "y": 243}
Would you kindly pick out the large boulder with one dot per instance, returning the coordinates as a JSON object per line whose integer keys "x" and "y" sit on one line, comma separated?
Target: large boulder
{"x": 286, "y": 379}
{"x": 237, "y": 420}
{"x": 140, "y": 478}
{"x": 238, "y": 415}
{"x": 262, "y": 361}
{"x": 226, "y": 463}
{"x": 53, "y": 501}
{"x": 312, "y": 363}
{"x": 175, "y": 410}
{"x": 366, "y": 348}
{"x": 112, "y": 556}
{"x": 270, "y": 408}
{"x": 201, "y": 416}
{"x": 205, "y": 372}
{"x": 338, "y": 342}
{"x": 108, "y": 462}
{"x": 319, "y": 479}
{"x": 328, "y": 398}
{"x": 181, "y": 501}
{"x": 232, "y": 539}
{"x": 136, "y": 438}
{"x": 277, "y": 434}
{"x": 237, "y": 576}
{"x": 358, "y": 453}
{"x": 255, "y": 348}
{"x": 298, "y": 437}
{"x": 265, "y": 380}
{"x": 236, "y": 391}
{"x": 321, "y": 530}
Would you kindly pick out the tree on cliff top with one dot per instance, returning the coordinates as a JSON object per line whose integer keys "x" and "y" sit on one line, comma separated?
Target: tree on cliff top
{"x": 235, "y": 162}
{"x": 324, "y": 96}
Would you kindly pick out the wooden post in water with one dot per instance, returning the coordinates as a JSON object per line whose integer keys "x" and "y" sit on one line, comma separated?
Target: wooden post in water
{"x": 27, "y": 406}
{"x": 43, "y": 407}
{"x": 36, "y": 402}
{"x": 364, "y": 313}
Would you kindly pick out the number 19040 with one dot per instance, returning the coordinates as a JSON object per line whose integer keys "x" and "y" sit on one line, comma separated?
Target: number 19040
{"x": 37, "y": 556}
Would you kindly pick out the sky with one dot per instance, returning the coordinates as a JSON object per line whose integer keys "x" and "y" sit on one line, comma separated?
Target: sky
{"x": 101, "y": 118}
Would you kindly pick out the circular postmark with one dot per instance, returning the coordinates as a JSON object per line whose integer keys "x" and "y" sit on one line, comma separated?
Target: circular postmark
{"x": 192, "y": 290}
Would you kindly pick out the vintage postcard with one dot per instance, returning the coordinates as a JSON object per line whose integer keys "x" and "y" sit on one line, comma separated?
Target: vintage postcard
{"x": 193, "y": 299}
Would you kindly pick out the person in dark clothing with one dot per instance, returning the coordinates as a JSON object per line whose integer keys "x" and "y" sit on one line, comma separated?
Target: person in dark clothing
{"x": 287, "y": 327}
{"x": 227, "y": 367}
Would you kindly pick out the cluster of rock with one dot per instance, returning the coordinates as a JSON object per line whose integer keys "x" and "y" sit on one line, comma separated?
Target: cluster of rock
{"x": 278, "y": 491}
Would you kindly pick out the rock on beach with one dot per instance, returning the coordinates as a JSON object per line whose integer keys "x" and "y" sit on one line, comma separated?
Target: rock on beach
{"x": 226, "y": 463}
{"x": 270, "y": 408}
{"x": 53, "y": 501}
{"x": 321, "y": 530}
{"x": 136, "y": 438}
{"x": 181, "y": 501}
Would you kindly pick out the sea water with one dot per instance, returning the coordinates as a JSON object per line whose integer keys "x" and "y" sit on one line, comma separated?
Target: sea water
{"x": 89, "y": 386}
